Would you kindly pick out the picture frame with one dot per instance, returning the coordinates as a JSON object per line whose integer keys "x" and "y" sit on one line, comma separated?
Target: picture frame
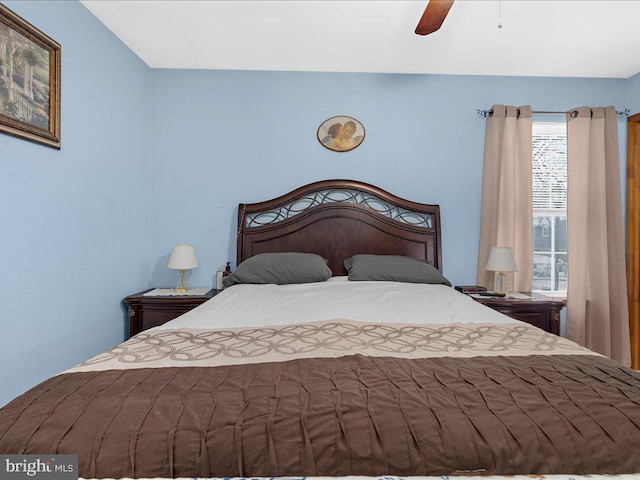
{"x": 29, "y": 81}
{"x": 341, "y": 133}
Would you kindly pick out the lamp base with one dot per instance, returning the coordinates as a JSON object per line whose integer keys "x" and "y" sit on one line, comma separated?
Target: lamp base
{"x": 500, "y": 283}
{"x": 182, "y": 283}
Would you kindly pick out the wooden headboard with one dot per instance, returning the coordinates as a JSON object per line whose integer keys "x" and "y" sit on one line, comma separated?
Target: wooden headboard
{"x": 338, "y": 219}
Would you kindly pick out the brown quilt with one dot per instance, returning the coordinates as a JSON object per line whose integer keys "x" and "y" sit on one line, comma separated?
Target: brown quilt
{"x": 435, "y": 400}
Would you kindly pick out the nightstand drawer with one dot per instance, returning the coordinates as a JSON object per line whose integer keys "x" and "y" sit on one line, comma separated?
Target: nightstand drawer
{"x": 541, "y": 320}
{"x": 151, "y": 317}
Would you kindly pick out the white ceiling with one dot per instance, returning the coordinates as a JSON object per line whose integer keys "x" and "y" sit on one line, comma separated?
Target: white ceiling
{"x": 539, "y": 38}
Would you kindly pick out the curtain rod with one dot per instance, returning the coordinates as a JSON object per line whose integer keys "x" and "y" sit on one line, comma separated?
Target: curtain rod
{"x": 486, "y": 113}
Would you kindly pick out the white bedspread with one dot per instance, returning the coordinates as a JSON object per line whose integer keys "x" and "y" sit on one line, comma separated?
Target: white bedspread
{"x": 274, "y": 323}
{"x": 373, "y": 302}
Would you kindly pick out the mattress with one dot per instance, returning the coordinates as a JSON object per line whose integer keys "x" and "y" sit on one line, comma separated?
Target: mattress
{"x": 336, "y": 379}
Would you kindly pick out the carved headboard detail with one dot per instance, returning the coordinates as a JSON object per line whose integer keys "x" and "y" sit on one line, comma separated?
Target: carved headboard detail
{"x": 338, "y": 219}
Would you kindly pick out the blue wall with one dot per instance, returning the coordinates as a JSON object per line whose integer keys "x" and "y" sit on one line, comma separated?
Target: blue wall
{"x": 633, "y": 93}
{"x": 223, "y": 137}
{"x": 74, "y": 221}
{"x": 155, "y": 157}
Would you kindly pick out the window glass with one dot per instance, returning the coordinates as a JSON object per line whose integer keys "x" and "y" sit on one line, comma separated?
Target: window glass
{"x": 541, "y": 234}
{"x": 561, "y": 272}
{"x": 561, "y": 233}
{"x": 541, "y": 272}
{"x": 549, "y": 164}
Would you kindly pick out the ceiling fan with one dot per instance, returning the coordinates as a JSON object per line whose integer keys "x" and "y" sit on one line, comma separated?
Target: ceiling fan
{"x": 433, "y": 16}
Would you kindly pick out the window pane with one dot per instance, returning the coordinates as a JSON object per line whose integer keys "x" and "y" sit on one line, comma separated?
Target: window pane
{"x": 541, "y": 271}
{"x": 561, "y": 272}
{"x": 561, "y": 234}
{"x": 549, "y": 144}
{"x": 541, "y": 234}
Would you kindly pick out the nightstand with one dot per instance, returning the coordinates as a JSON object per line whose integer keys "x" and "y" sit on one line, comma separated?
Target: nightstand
{"x": 540, "y": 311}
{"x": 151, "y": 311}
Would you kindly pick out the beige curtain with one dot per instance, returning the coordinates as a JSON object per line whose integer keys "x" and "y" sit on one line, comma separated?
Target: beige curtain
{"x": 597, "y": 310}
{"x": 506, "y": 195}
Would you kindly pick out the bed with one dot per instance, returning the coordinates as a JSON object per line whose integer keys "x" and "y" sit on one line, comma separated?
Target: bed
{"x": 373, "y": 376}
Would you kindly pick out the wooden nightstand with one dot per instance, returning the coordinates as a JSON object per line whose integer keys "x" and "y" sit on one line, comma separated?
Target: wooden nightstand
{"x": 540, "y": 311}
{"x": 151, "y": 311}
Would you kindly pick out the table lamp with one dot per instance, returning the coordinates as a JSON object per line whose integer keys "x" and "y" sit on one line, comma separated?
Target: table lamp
{"x": 501, "y": 260}
{"x": 183, "y": 257}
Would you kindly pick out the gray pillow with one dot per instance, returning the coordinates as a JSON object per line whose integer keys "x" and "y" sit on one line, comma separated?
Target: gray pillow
{"x": 281, "y": 269}
{"x": 393, "y": 268}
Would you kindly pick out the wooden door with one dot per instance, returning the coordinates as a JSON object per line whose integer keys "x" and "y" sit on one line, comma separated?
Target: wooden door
{"x": 633, "y": 235}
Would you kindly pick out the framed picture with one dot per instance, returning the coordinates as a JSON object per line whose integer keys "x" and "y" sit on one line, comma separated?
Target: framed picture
{"x": 29, "y": 81}
{"x": 341, "y": 133}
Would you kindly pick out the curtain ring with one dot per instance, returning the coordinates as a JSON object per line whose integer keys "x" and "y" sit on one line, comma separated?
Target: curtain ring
{"x": 574, "y": 113}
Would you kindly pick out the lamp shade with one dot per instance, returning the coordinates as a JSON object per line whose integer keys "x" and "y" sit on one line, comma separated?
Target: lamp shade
{"x": 501, "y": 260}
{"x": 183, "y": 257}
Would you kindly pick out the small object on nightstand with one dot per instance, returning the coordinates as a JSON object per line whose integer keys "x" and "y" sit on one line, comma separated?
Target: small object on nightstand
{"x": 491, "y": 294}
{"x": 219, "y": 275}
{"x": 470, "y": 288}
{"x": 227, "y": 270}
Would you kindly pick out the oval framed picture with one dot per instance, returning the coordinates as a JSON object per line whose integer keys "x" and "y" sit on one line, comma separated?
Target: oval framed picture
{"x": 341, "y": 133}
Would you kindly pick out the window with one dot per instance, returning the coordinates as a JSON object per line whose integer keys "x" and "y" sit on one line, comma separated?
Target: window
{"x": 550, "y": 208}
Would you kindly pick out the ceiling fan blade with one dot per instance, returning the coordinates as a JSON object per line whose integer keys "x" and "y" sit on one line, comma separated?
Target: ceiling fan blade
{"x": 433, "y": 16}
